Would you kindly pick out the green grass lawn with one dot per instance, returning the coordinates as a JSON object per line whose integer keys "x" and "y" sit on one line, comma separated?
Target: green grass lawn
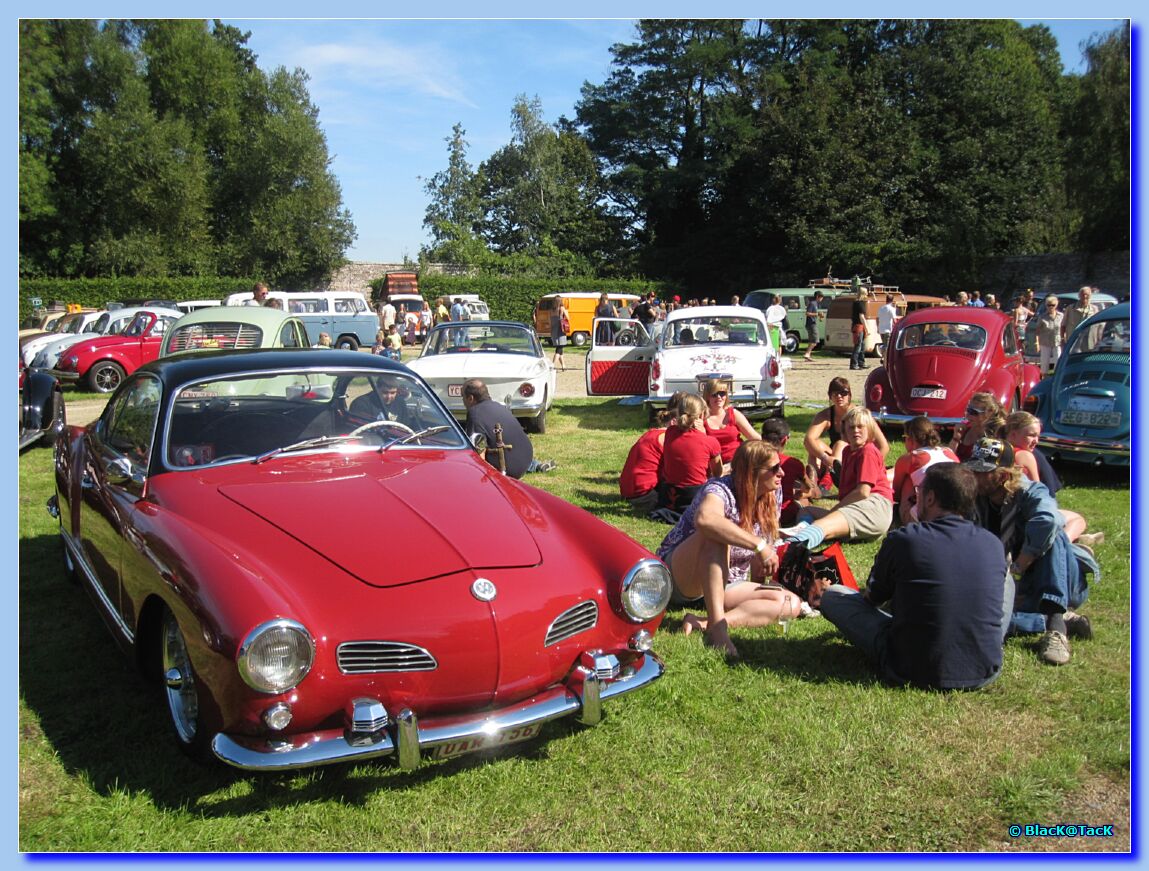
{"x": 798, "y": 748}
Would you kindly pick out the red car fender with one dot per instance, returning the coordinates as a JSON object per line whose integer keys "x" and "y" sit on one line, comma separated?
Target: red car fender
{"x": 129, "y": 356}
{"x": 878, "y": 380}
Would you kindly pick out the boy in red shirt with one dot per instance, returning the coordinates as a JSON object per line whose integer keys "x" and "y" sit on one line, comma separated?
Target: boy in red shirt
{"x": 866, "y": 503}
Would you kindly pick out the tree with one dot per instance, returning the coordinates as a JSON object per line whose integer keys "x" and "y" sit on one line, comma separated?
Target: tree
{"x": 454, "y": 210}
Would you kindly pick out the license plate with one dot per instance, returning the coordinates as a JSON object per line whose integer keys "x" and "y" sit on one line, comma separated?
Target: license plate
{"x": 1093, "y": 404}
{"x": 927, "y": 393}
{"x": 486, "y": 742}
{"x": 1090, "y": 418}
{"x": 454, "y": 389}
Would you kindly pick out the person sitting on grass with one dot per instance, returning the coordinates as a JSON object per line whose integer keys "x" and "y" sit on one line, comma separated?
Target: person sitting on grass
{"x": 1044, "y": 563}
{"x": 951, "y": 595}
{"x": 824, "y": 458}
{"x": 797, "y": 489}
{"x": 866, "y": 502}
{"x": 726, "y": 423}
{"x": 724, "y": 544}
{"x": 983, "y": 418}
{"x": 1021, "y": 429}
{"x": 923, "y": 449}
{"x": 689, "y": 455}
{"x": 638, "y": 482}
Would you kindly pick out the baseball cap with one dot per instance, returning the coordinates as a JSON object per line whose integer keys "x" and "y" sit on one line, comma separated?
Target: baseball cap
{"x": 677, "y": 298}
{"x": 989, "y": 454}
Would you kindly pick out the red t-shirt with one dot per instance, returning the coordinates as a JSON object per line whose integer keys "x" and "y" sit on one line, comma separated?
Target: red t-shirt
{"x": 686, "y": 455}
{"x": 727, "y": 436}
{"x": 640, "y": 471}
{"x": 864, "y": 466}
{"x": 793, "y": 470}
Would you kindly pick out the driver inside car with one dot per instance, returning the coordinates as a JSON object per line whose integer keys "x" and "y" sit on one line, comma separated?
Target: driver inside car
{"x": 385, "y": 401}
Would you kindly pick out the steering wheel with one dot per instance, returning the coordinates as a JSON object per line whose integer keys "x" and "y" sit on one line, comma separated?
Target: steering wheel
{"x": 378, "y": 424}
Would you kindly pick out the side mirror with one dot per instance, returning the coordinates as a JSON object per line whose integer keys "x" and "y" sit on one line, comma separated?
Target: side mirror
{"x": 479, "y": 442}
{"x": 120, "y": 473}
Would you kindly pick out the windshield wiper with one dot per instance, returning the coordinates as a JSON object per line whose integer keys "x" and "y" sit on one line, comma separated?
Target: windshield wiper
{"x": 304, "y": 445}
{"x": 431, "y": 430}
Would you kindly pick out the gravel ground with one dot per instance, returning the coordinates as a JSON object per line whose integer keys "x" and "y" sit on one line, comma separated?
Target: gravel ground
{"x": 805, "y": 383}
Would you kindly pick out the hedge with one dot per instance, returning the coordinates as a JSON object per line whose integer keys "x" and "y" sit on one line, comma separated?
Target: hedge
{"x": 96, "y": 292}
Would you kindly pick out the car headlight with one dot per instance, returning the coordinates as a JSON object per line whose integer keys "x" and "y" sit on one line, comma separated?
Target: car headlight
{"x": 646, "y": 590}
{"x": 275, "y": 656}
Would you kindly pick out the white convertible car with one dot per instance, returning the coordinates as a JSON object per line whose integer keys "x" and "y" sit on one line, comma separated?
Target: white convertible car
{"x": 695, "y": 344}
{"x": 506, "y": 356}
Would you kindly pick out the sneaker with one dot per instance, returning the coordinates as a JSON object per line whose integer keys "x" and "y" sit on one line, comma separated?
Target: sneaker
{"x": 791, "y": 531}
{"x": 1053, "y": 648}
{"x": 1090, "y": 539}
{"x": 1078, "y": 626}
{"x": 546, "y": 466}
{"x": 836, "y": 472}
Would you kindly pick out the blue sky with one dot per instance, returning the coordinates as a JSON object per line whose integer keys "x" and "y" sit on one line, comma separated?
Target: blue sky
{"x": 389, "y": 92}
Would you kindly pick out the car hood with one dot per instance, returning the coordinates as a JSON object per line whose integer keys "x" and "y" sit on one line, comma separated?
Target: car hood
{"x": 410, "y": 522}
{"x": 478, "y": 364}
{"x": 956, "y": 371}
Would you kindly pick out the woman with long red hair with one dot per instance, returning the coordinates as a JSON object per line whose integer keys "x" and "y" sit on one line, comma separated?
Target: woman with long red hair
{"x": 723, "y": 547}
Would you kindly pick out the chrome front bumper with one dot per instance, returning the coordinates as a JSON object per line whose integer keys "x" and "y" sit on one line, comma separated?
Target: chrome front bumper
{"x": 407, "y": 738}
{"x": 1055, "y": 443}
{"x": 890, "y": 419}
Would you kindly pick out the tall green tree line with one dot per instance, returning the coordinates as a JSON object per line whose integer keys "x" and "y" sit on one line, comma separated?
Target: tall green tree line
{"x": 724, "y": 154}
{"x": 159, "y": 148}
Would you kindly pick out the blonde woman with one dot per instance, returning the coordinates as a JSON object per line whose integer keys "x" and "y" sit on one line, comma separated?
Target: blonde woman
{"x": 726, "y": 423}
{"x": 689, "y": 455}
{"x": 724, "y": 544}
{"x": 983, "y": 418}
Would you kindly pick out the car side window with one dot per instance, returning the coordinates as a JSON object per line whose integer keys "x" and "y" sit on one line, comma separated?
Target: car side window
{"x": 130, "y": 420}
{"x": 1009, "y": 340}
{"x": 288, "y": 335}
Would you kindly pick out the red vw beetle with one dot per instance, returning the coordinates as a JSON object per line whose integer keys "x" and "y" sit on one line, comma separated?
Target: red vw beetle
{"x": 939, "y": 357}
{"x": 230, "y": 513}
{"x": 103, "y": 361}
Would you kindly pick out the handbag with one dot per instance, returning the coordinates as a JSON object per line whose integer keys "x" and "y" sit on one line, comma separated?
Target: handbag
{"x": 807, "y": 574}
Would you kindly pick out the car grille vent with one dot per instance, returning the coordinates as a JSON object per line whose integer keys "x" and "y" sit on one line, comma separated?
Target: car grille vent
{"x": 580, "y": 618}
{"x": 364, "y": 657}
{"x": 1100, "y": 375}
{"x": 217, "y": 335}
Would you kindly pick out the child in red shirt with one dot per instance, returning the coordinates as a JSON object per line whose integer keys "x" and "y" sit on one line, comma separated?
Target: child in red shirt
{"x": 689, "y": 455}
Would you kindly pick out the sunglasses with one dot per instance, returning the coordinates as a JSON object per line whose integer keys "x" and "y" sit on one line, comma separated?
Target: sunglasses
{"x": 840, "y": 393}
{"x": 776, "y": 469}
{"x": 975, "y": 412}
{"x": 721, "y": 394}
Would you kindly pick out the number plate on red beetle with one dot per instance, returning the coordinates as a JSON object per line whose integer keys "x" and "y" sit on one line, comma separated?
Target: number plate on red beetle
{"x": 486, "y": 742}
{"x": 927, "y": 393}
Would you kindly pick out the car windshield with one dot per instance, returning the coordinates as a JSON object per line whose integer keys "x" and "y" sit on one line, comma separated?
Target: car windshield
{"x": 480, "y": 337}
{"x": 258, "y": 416}
{"x": 948, "y": 335}
{"x": 709, "y": 330}
{"x": 1104, "y": 337}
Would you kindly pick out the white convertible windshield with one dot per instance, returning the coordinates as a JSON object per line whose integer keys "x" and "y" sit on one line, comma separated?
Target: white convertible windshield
{"x": 256, "y": 415}
{"x": 481, "y": 337}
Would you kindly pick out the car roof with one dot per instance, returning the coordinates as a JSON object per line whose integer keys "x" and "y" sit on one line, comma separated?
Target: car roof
{"x": 211, "y": 364}
{"x": 259, "y": 315}
{"x": 717, "y": 311}
{"x": 1119, "y": 312}
{"x": 957, "y": 314}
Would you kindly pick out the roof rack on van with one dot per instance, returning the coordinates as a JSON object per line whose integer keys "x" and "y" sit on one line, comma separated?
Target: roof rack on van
{"x": 848, "y": 284}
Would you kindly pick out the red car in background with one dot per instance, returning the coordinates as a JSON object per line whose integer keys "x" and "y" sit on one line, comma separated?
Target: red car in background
{"x": 939, "y": 357}
{"x": 103, "y": 362}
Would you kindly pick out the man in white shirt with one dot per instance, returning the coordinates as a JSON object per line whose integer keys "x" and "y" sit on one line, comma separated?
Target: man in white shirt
{"x": 776, "y": 320}
{"x": 887, "y": 316}
{"x": 387, "y": 316}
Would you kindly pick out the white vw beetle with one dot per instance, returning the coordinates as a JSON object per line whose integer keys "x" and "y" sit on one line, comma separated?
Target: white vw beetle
{"x": 694, "y": 345}
{"x": 505, "y": 355}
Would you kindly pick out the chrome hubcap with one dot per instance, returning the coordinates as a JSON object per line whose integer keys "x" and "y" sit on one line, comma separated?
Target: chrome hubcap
{"x": 179, "y": 682}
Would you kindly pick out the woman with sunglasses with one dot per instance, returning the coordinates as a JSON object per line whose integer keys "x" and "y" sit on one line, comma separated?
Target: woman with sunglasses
{"x": 725, "y": 423}
{"x": 823, "y": 457}
{"x": 723, "y": 545}
{"x": 1049, "y": 321}
{"x": 983, "y": 418}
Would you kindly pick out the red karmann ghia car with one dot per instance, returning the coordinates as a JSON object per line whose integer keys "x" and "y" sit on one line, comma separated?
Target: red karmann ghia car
{"x": 318, "y": 579}
{"x": 939, "y": 357}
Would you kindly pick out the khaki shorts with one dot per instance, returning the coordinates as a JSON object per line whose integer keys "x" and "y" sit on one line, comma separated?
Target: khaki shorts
{"x": 870, "y": 518}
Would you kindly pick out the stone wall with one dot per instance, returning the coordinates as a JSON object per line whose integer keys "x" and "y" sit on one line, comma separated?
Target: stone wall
{"x": 358, "y": 276}
{"x": 1109, "y": 271}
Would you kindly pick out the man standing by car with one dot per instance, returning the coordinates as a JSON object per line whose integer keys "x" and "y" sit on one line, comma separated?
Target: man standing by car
{"x": 858, "y": 327}
{"x": 386, "y": 316}
{"x": 645, "y": 312}
{"x": 887, "y": 317}
{"x": 509, "y": 450}
{"x": 776, "y": 321}
{"x": 814, "y": 314}
{"x": 1080, "y": 312}
{"x": 951, "y": 593}
{"x": 1049, "y": 334}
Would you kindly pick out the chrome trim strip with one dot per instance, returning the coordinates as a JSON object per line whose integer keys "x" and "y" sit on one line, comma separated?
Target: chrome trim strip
{"x": 1082, "y": 444}
{"x": 90, "y": 578}
{"x": 902, "y": 419}
{"x": 324, "y": 748}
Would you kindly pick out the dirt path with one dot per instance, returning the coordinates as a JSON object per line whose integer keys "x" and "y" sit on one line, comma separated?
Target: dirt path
{"x": 805, "y": 383}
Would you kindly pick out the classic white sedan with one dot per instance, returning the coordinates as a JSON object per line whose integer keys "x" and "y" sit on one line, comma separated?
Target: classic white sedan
{"x": 505, "y": 355}
{"x": 730, "y": 343}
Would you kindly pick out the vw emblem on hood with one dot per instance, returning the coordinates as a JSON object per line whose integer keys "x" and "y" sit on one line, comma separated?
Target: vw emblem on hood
{"x": 483, "y": 590}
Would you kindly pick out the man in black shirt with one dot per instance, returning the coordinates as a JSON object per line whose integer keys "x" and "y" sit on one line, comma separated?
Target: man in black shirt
{"x": 483, "y": 415}
{"x": 858, "y": 328}
{"x": 951, "y": 592}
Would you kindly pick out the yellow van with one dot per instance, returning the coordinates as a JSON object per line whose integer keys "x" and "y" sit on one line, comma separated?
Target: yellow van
{"x": 839, "y": 330}
{"x": 580, "y": 309}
